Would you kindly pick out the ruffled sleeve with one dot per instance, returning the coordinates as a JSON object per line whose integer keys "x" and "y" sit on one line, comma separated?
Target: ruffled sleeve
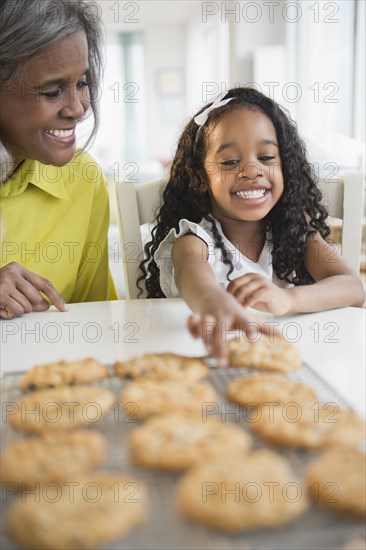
{"x": 163, "y": 255}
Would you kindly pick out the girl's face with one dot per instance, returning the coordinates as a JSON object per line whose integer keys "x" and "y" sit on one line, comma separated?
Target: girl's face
{"x": 243, "y": 166}
{"x": 41, "y": 106}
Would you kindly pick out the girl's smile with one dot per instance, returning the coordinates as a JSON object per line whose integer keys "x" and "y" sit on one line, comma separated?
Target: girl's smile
{"x": 252, "y": 195}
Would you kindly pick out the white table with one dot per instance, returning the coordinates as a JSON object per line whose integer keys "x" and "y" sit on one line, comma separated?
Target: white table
{"x": 331, "y": 342}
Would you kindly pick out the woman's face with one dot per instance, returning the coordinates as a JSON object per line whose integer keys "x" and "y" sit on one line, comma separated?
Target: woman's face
{"x": 42, "y": 104}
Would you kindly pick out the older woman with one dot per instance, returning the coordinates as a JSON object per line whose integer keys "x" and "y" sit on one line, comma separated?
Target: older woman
{"x": 54, "y": 202}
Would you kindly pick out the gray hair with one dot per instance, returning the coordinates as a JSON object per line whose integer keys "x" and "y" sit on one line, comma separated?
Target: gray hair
{"x": 29, "y": 26}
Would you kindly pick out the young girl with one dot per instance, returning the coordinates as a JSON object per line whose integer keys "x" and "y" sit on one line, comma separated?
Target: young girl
{"x": 241, "y": 224}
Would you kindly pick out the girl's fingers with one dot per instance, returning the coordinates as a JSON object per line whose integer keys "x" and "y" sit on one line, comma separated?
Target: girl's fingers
{"x": 244, "y": 292}
{"x": 208, "y": 329}
{"x": 258, "y": 300}
{"x": 245, "y": 280}
{"x": 213, "y": 332}
{"x": 220, "y": 351}
{"x": 239, "y": 281}
{"x": 193, "y": 324}
{"x": 254, "y": 326}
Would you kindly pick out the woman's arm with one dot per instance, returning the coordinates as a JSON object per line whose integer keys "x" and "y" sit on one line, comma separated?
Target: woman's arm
{"x": 216, "y": 310}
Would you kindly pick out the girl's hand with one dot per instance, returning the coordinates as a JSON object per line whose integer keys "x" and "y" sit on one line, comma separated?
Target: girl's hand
{"x": 222, "y": 314}
{"x": 20, "y": 292}
{"x": 253, "y": 290}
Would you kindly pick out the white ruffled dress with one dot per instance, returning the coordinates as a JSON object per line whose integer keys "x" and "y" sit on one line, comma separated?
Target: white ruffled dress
{"x": 211, "y": 254}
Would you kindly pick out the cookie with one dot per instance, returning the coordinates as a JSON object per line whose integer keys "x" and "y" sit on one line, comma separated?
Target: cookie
{"x": 268, "y": 353}
{"x": 268, "y": 387}
{"x": 54, "y": 456}
{"x": 60, "y": 408}
{"x": 242, "y": 493}
{"x": 163, "y": 366}
{"x": 150, "y": 397}
{"x": 314, "y": 426}
{"x": 92, "y": 511}
{"x": 63, "y": 373}
{"x": 176, "y": 441}
{"x": 337, "y": 479}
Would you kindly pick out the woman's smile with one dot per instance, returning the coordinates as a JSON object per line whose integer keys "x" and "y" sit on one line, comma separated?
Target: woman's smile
{"x": 66, "y": 137}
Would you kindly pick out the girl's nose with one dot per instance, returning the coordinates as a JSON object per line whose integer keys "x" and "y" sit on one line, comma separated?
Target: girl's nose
{"x": 251, "y": 171}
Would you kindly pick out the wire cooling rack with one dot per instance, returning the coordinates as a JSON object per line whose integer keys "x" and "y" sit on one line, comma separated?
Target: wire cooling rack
{"x": 318, "y": 528}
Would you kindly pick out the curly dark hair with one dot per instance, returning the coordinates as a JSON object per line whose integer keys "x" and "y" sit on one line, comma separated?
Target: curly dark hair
{"x": 298, "y": 212}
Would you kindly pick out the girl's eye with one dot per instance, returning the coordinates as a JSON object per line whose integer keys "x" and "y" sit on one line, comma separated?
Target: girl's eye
{"x": 230, "y": 163}
{"x": 53, "y": 94}
{"x": 265, "y": 158}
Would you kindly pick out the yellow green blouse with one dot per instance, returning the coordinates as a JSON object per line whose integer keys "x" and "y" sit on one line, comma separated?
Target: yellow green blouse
{"x": 54, "y": 221}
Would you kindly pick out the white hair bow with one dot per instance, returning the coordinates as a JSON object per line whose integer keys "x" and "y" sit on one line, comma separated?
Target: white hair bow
{"x": 201, "y": 119}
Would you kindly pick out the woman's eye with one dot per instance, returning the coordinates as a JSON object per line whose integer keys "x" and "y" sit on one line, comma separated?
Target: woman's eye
{"x": 82, "y": 84}
{"x": 53, "y": 94}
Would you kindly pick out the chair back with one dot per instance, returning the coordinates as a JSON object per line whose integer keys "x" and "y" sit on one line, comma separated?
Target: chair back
{"x": 343, "y": 198}
{"x": 136, "y": 206}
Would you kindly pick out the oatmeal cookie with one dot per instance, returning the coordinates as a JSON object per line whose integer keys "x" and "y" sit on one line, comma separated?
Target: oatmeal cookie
{"x": 101, "y": 508}
{"x": 274, "y": 354}
{"x": 60, "y": 408}
{"x": 337, "y": 479}
{"x": 310, "y": 426}
{"x": 238, "y": 494}
{"x": 163, "y": 366}
{"x": 53, "y": 456}
{"x": 269, "y": 387}
{"x": 176, "y": 441}
{"x": 150, "y": 397}
{"x": 63, "y": 373}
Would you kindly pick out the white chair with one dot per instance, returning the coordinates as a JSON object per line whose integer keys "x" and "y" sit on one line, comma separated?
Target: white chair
{"x": 136, "y": 206}
{"x": 343, "y": 198}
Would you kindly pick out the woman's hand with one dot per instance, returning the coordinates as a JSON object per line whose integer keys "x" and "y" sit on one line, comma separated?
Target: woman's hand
{"x": 222, "y": 314}
{"x": 20, "y": 292}
{"x": 253, "y": 290}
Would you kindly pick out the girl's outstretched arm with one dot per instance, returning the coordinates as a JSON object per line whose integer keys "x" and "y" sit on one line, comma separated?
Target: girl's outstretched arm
{"x": 215, "y": 310}
{"x": 336, "y": 285}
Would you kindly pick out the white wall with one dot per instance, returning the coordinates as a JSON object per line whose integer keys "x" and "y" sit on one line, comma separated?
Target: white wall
{"x": 164, "y": 50}
{"x": 207, "y": 59}
{"x": 254, "y": 25}
{"x": 218, "y": 44}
